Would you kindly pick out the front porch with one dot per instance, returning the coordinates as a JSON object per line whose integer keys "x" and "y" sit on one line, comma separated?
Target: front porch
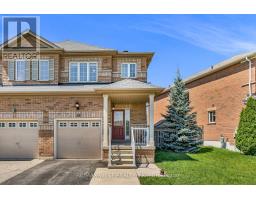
{"x": 128, "y": 128}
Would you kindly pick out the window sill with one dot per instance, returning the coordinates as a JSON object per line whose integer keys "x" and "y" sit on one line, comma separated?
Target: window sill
{"x": 212, "y": 123}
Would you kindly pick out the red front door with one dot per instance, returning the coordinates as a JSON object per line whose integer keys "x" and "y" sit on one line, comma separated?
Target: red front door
{"x": 118, "y": 125}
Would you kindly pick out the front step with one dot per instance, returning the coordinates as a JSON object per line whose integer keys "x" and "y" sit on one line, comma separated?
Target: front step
{"x": 127, "y": 166}
{"x": 121, "y": 161}
{"x": 121, "y": 157}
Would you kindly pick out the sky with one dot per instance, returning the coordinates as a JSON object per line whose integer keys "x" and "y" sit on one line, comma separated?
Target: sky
{"x": 190, "y": 43}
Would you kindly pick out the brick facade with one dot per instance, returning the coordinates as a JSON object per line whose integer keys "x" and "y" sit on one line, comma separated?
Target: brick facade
{"x": 44, "y": 108}
{"x": 222, "y": 91}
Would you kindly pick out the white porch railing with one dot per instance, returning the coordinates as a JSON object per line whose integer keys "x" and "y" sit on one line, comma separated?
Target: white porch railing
{"x": 133, "y": 147}
{"x": 109, "y": 145}
{"x": 141, "y": 135}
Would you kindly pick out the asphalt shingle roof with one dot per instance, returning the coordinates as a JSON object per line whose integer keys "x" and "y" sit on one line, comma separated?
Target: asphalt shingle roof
{"x": 126, "y": 84}
{"x": 70, "y": 45}
{"x": 130, "y": 84}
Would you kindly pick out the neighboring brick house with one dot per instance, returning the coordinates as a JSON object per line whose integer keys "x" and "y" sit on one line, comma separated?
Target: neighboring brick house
{"x": 217, "y": 95}
{"x": 70, "y": 101}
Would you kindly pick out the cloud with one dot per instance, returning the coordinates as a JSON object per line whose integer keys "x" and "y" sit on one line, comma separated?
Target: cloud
{"x": 207, "y": 34}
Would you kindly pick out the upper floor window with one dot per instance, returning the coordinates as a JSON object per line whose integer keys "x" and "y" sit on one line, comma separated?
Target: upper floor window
{"x": 83, "y": 72}
{"x": 128, "y": 70}
{"x": 44, "y": 70}
{"x": 211, "y": 117}
{"x": 20, "y": 70}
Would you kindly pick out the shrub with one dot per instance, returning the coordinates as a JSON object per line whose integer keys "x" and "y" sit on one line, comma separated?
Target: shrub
{"x": 246, "y": 133}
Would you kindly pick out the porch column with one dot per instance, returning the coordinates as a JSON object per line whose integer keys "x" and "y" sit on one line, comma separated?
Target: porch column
{"x": 105, "y": 120}
{"x": 151, "y": 119}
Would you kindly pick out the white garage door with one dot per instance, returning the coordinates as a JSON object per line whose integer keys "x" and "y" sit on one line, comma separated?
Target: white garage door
{"x": 18, "y": 140}
{"x": 78, "y": 139}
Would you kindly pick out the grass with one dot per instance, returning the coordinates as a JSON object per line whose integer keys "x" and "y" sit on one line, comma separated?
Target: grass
{"x": 210, "y": 166}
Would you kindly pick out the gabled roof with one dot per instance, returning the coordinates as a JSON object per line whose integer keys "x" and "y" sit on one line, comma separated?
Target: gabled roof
{"x": 130, "y": 84}
{"x": 70, "y": 45}
{"x": 28, "y": 32}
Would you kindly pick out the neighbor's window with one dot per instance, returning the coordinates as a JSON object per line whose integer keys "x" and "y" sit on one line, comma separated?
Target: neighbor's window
{"x": 44, "y": 70}
{"x": 20, "y": 70}
{"x": 128, "y": 70}
{"x": 212, "y": 117}
{"x": 83, "y": 72}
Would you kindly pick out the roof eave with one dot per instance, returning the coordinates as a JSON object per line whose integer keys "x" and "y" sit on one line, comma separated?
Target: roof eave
{"x": 210, "y": 71}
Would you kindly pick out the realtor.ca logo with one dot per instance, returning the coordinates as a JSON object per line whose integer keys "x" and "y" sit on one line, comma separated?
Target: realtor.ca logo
{"x": 20, "y": 38}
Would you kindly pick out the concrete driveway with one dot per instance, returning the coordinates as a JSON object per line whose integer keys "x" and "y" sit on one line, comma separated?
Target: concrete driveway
{"x": 9, "y": 169}
{"x": 58, "y": 172}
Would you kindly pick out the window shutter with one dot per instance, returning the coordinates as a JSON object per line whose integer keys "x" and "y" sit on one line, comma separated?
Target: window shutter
{"x": 11, "y": 66}
{"x": 51, "y": 69}
{"x": 34, "y": 70}
{"x": 27, "y": 69}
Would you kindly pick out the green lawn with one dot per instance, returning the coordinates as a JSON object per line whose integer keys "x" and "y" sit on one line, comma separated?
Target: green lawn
{"x": 210, "y": 166}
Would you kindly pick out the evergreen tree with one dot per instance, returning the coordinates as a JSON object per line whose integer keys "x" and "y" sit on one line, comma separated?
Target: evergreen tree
{"x": 181, "y": 133}
{"x": 246, "y": 133}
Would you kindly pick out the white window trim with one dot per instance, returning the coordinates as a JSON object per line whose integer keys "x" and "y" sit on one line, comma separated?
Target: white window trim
{"x": 129, "y": 70}
{"x": 78, "y": 72}
{"x": 16, "y": 73}
{"x": 209, "y": 117}
{"x": 39, "y": 74}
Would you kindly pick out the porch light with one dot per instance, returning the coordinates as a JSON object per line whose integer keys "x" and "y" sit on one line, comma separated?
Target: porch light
{"x": 77, "y": 105}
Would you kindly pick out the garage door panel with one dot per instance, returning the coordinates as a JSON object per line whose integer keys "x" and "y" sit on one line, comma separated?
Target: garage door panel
{"x": 18, "y": 143}
{"x": 79, "y": 142}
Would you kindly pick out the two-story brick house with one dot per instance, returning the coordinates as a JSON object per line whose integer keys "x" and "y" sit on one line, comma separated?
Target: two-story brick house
{"x": 217, "y": 95}
{"x": 76, "y": 101}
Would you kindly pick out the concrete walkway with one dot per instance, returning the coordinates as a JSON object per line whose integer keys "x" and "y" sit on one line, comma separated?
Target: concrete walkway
{"x": 9, "y": 169}
{"x": 105, "y": 176}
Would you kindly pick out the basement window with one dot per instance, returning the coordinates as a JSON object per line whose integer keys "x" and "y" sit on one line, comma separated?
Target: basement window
{"x": 212, "y": 117}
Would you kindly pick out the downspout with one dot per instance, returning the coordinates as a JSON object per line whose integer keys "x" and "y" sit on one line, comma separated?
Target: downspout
{"x": 250, "y": 76}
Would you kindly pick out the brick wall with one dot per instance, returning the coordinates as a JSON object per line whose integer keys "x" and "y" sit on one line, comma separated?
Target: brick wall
{"x": 104, "y": 67}
{"x": 137, "y": 112}
{"x": 141, "y": 67}
{"x": 55, "y": 56}
{"x": 160, "y": 106}
{"x": 108, "y": 68}
{"x": 222, "y": 91}
{"x": 48, "y": 106}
